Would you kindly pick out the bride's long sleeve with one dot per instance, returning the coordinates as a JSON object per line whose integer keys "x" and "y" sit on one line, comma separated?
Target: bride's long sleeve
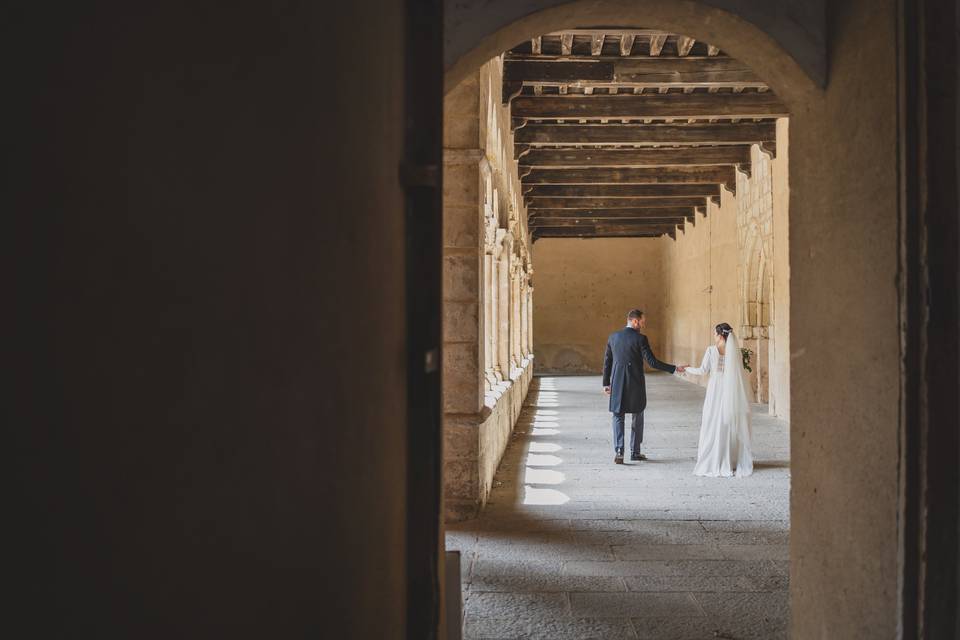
{"x": 704, "y": 367}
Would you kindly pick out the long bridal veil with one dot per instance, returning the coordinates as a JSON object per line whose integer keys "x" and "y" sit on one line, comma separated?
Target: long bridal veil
{"x": 735, "y": 405}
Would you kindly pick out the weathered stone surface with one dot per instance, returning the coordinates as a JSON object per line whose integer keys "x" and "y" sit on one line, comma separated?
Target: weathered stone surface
{"x": 461, "y": 387}
{"x": 461, "y": 321}
{"x": 705, "y": 583}
{"x": 533, "y": 627}
{"x": 516, "y": 604}
{"x": 461, "y": 436}
{"x": 461, "y": 185}
{"x": 625, "y": 605}
{"x": 461, "y": 226}
{"x": 461, "y": 475}
{"x": 461, "y": 277}
{"x": 516, "y": 583}
{"x": 642, "y": 547}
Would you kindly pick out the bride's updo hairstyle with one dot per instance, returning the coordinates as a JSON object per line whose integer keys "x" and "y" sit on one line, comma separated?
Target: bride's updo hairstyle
{"x": 723, "y": 329}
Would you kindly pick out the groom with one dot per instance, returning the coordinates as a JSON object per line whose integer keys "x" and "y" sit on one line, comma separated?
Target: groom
{"x": 624, "y": 382}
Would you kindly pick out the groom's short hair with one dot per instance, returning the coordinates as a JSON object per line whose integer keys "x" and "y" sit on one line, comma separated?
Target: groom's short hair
{"x": 634, "y": 314}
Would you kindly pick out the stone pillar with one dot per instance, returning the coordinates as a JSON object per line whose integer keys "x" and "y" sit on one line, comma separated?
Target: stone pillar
{"x": 515, "y": 317}
{"x": 489, "y": 313}
{"x": 530, "y": 313}
{"x": 503, "y": 318}
{"x": 524, "y": 310}
{"x": 466, "y": 183}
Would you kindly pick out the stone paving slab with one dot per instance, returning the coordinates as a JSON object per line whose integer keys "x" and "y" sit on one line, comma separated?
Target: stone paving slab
{"x": 573, "y": 546}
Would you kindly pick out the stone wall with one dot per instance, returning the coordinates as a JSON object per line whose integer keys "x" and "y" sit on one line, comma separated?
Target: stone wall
{"x": 487, "y": 290}
{"x": 723, "y": 267}
{"x": 726, "y": 267}
{"x": 584, "y": 289}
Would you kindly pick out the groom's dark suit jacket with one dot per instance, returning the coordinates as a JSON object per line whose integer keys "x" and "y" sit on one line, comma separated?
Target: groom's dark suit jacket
{"x": 623, "y": 370}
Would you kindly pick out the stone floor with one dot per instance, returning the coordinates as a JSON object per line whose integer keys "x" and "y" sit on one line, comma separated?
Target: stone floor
{"x": 572, "y": 546}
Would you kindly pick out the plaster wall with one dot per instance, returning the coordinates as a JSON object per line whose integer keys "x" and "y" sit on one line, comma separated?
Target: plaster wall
{"x": 844, "y": 356}
{"x": 712, "y": 274}
{"x": 584, "y": 289}
{"x": 700, "y": 281}
{"x": 779, "y": 332}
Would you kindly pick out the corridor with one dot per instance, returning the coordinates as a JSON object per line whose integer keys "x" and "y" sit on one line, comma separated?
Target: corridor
{"x": 572, "y": 546}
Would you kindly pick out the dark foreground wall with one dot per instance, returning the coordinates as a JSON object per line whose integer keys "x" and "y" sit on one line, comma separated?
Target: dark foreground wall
{"x": 205, "y": 422}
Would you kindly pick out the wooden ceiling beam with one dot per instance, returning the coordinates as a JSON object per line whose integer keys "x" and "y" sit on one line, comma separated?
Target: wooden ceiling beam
{"x": 639, "y": 213}
{"x": 609, "y": 32}
{"x": 674, "y": 105}
{"x": 536, "y": 202}
{"x": 689, "y": 156}
{"x": 636, "y": 73}
{"x": 626, "y": 43}
{"x": 596, "y": 44}
{"x": 685, "y": 175}
{"x": 573, "y": 221}
{"x": 656, "y": 43}
{"x": 684, "y": 45}
{"x": 631, "y": 191}
{"x": 595, "y": 232}
{"x": 659, "y": 134}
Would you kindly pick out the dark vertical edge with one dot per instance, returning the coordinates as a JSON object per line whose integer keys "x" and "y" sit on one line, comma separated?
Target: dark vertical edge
{"x": 930, "y": 321}
{"x": 940, "y": 369}
{"x": 421, "y": 175}
{"x": 910, "y": 314}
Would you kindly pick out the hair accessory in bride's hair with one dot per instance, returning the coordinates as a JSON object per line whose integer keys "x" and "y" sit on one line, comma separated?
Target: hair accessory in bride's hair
{"x": 724, "y": 329}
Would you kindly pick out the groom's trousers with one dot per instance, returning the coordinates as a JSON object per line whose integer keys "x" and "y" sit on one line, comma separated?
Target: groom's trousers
{"x": 636, "y": 431}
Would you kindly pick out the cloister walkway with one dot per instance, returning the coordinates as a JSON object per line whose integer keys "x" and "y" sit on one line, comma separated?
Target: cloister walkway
{"x": 571, "y": 546}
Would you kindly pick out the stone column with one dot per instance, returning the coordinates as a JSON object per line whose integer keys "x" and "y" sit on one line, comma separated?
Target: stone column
{"x": 465, "y": 179}
{"x": 529, "y": 280}
{"x": 524, "y": 309}
{"x": 503, "y": 296}
{"x": 515, "y": 274}
{"x": 489, "y": 313}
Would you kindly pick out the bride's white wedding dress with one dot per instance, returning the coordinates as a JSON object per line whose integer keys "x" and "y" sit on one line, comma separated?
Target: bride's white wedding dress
{"x": 725, "y": 433}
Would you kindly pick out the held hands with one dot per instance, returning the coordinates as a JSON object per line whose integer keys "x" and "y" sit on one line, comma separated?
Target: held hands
{"x": 681, "y": 368}
{"x": 606, "y": 391}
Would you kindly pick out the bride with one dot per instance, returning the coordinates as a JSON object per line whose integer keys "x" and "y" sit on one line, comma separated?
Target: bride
{"x": 725, "y": 438}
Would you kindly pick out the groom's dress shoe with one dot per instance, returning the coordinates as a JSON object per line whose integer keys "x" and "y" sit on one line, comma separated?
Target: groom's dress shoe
{"x": 637, "y": 456}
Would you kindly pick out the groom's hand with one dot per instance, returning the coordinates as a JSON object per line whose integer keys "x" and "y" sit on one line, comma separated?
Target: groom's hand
{"x": 681, "y": 368}
{"x": 606, "y": 391}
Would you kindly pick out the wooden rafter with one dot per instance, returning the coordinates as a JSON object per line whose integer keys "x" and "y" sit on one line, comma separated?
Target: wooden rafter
{"x": 665, "y": 175}
{"x": 596, "y": 44}
{"x": 690, "y": 156}
{"x": 624, "y": 191}
{"x": 696, "y": 105}
{"x": 538, "y": 202}
{"x": 684, "y": 45}
{"x": 613, "y": 73}
{"x": 656, "y": 43}
{"x": 611, "y": 143}
{"x": 634, "y": 213}
{"x": 719, "y": 133}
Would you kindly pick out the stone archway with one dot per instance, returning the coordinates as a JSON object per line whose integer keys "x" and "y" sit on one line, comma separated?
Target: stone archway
{"x": 844, "y": 499}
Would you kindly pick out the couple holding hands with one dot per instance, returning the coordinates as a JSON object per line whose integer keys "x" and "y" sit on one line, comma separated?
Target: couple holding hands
{"x": 725, "y": 435}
